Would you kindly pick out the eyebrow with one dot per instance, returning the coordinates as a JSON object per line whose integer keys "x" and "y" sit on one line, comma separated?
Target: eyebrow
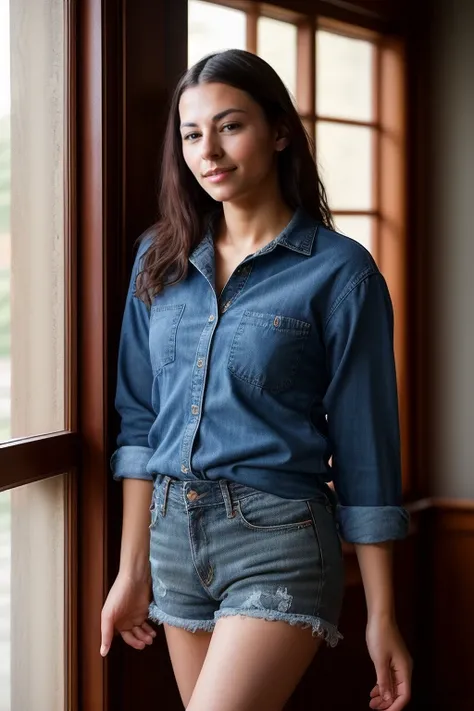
{"x": 217, "y": 117}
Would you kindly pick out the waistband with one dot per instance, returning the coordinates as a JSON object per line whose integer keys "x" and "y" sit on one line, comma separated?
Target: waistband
{"x": 194, "y": 493}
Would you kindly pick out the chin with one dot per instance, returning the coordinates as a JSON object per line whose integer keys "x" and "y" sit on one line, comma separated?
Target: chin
{"x": 225, "y": 195}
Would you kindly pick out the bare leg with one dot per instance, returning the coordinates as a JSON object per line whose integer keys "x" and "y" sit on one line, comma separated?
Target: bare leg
{"x": 252, "y": 665}
{"x": 187, "y": 652}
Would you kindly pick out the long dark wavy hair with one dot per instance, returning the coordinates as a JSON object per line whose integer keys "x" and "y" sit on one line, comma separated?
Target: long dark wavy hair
{"x": 185, "y": 208}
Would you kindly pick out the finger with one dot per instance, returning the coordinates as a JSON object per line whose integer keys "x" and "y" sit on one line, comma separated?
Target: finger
{"x": 384, "y": 682}
{"x": 107, "y": 628}
{"x": 141, "y": 634}
{"x": 400, "y": 702}
{"x": 379, "y": 704}
{"x": 375, "y": 691}
{"x": 149, "y": 629}
{"x": 131, "y": 640}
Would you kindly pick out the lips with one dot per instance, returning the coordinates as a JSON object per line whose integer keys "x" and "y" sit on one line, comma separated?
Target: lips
{"x": 217, "y": 171}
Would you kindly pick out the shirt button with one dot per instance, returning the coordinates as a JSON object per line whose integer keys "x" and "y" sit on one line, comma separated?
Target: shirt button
{"x": 195, "y": 409}
{"x": 200, "y": 363}
{"x": 226, "y": 306}
{"x": 184, "y": 469}
{"x": 211, "y": 317}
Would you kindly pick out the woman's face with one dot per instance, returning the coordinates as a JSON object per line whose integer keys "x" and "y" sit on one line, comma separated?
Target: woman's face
{"x": 227, "y": 142}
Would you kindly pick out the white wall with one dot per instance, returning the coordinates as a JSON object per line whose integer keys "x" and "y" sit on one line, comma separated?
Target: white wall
{"x": 452, "y": 242}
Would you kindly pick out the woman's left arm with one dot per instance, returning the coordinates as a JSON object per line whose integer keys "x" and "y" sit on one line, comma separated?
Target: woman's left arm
{"x": 391, "y": 659}
{"x": 363, "y": 427}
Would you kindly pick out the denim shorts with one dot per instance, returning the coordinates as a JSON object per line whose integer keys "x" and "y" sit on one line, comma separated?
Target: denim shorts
{"x": 218, "y": 548}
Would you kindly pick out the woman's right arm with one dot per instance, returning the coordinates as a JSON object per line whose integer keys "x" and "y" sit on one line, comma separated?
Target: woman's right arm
{"x": 135, "y": 548}
{"x": 126, "y": 607}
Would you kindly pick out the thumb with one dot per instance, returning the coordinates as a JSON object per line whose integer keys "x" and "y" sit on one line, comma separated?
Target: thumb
{"x": 384, "y": 681}
{"x": 107, "y": 634}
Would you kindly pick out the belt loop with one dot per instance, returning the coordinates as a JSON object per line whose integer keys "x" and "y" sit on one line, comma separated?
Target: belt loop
{"x": 167, "y": 481}
{"x": 229, "y": 508}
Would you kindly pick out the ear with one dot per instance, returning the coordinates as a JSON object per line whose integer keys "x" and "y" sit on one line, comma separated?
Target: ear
{"x": 282, "y": 139}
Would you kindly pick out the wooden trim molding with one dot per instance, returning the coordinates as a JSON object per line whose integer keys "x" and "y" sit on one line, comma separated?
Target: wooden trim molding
{"x": 387, "y": 17}
{"x": 26, "y": 460}
{"x": 252, "y": 29}
{"x": 93, "y": 33}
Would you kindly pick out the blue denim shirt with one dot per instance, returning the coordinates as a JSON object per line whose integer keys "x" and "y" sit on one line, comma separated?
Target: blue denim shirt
{"x": 292, "y": 364}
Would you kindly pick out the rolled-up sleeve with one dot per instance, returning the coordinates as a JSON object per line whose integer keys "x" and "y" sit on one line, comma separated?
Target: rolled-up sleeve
{"x": 362, "y": 413}
{"x": 134, "y": 387}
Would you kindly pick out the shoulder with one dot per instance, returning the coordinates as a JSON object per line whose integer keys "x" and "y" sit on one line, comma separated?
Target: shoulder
{"x": 342, "y": 255}
{"x": 340, "y": 264}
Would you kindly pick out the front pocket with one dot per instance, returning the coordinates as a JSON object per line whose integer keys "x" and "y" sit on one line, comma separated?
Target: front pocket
{"x": 267, "y": 512}
{"x": 266, "y": 350}
{"x": 164, "y": 322}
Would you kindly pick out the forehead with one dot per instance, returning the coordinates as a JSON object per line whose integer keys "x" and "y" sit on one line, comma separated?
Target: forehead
{"x": 202, "y": 102}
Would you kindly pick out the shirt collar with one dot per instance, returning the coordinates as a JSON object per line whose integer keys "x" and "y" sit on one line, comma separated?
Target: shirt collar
{"x": 298, "y": 236}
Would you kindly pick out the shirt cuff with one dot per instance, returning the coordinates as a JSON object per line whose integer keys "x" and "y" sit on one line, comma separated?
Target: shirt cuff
{"x": 130, "y": 462}
{"x": 372, "y": 524}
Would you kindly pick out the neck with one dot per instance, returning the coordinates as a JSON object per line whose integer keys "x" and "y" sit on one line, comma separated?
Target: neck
{"x": 249, "y": 227}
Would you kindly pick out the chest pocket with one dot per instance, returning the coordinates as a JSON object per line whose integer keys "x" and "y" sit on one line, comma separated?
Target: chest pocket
{"x": 164, "y": 322}
{"x": 266, "y": 350}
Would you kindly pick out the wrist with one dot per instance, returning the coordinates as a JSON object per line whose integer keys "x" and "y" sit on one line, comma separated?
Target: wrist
{"x": 385, "y": 616}
{"x": 137, "y": 570}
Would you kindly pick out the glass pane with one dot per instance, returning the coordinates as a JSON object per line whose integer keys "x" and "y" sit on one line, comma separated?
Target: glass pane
{"x": 345, "y": 159}
{"x": 358, "y": 227}
{"x": 31, "y": 218}
{"x": 344, "y": 87}
{"x": 211, "y": 28}
{"x": 32, "y": 597}
{"x": 277, "y": 45}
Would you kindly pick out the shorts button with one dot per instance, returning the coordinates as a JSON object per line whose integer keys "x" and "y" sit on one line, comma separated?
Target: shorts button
{"x": 192, "y": 495}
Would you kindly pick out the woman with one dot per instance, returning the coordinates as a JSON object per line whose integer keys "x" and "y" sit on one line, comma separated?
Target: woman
{"x": 256, "y": 346}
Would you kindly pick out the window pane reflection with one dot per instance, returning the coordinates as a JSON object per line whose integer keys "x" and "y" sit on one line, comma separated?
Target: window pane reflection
{"x": 32, "y": 674}
{"x": 345, "y": 157}
{"x": 344, "y": 69}
{"x": 212, "y": 28}
{"x": 276, "y": 44}
{"x": 32, "y": 236}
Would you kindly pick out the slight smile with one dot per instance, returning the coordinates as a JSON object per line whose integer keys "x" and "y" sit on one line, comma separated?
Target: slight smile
{"x": 216, "y": 176}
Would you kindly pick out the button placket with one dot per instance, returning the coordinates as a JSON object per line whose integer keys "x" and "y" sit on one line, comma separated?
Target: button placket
{"x": 197, "y": 392}
{"x": 232, "y": 289}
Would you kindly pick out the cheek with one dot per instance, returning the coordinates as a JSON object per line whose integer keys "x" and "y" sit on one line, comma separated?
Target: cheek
{"x": 257, "y": 155}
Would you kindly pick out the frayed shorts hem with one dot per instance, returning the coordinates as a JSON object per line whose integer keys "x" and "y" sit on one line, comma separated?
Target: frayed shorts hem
{"x": 159, "y": 617}
{"x": 320, "y": 628}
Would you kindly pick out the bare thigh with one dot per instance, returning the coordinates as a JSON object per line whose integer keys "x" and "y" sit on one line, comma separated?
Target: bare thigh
{"x": 252, "y": 664}
{"x": 187, "y": 652}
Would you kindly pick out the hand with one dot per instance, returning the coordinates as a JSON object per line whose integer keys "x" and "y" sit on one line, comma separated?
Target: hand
{"x": 126, "y": 609}
{"x": 393, "y": 666}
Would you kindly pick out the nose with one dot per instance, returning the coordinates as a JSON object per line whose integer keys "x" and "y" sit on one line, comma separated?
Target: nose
{"x": 210, "y": 147}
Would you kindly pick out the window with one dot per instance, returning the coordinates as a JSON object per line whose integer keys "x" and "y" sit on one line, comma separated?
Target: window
{"x": 346, "y": 132}
{"x": 36, "y": 412}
